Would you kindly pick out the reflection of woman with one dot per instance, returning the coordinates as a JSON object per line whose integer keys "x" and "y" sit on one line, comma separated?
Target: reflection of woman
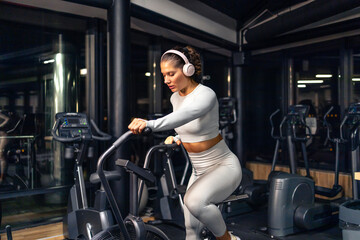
{"x": 216, "y": 170}
{"x": 3, "y": 143}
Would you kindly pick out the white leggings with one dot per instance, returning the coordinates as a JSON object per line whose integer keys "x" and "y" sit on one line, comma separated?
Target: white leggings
{"x": 216, "y": 174}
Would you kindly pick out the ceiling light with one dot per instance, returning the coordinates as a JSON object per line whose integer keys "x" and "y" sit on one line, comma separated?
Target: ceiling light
{"x": 310, "y": 81}
{"x": 301, "y": 86}
{"x": 83, "y": 71}
{"x": 148, "y": 74}
{"x": 49, "y": 61}
{"x": 323, "y": 75}
{"x": 356, "y": 79}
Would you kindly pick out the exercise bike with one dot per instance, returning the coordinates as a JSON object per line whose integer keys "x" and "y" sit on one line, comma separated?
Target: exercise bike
{"x": 82, "y": 221}
{"x": 132, "y": 227}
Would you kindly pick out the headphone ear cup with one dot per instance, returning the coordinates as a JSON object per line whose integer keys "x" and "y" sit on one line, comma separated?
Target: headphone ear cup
{"x": 188, "y": 69}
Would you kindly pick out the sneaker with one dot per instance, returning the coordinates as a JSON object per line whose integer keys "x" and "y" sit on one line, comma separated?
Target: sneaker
{"x": 233, "y": 237}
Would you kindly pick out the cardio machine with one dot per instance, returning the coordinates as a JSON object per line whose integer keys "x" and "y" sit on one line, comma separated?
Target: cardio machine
{"x": 292, "y": 206}
{"x": 169, "y": 200}
{"x": 82, "y": 221}
{"x": 132, "y": 227}
{"x": 349, "y": 212}
{"x": 254, "y": 195}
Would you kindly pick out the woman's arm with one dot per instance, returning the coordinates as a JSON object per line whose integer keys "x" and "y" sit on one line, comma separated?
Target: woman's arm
{"x": 201, "y": 105}
{"x": 6, "y": 119}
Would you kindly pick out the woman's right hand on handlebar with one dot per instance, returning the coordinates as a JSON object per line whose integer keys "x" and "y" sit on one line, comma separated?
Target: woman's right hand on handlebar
{"x": 137, "y": 125}
{"x": 170, "y": 140}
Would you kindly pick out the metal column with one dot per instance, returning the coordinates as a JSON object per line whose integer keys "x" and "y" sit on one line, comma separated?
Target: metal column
{"x": 238, "y": 85}
{"x": 346, "y": 70}
{"x": 118, "y": 87}
{"x": 155, "y": 78}
{"x": 287, "y": 84}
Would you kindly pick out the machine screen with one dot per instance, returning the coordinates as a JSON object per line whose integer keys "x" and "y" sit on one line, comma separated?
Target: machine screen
{"x": 73, "y": 121}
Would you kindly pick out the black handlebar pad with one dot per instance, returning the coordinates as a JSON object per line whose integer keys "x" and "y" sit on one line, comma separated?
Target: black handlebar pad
{"x": 140, "y": 172}
{"x": 103, "y": 136}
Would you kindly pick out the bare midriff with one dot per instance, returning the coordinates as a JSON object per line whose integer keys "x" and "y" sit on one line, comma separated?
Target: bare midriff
{"x": 197, "y": 147}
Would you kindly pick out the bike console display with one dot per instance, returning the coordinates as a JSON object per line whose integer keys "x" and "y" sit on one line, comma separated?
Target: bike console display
{"x": 299, "y": 110}
{"x": 354, "y": 109}
{"x": 297, "y": 114}
{"x": 227, "y": 110}
{"x": 71, "y": 127}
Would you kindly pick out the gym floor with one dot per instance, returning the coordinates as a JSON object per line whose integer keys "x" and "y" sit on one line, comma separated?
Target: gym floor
{"x": 247, "y": 227}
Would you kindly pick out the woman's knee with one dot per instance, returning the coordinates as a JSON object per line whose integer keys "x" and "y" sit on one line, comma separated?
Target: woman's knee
{"x": 194, "y": 203}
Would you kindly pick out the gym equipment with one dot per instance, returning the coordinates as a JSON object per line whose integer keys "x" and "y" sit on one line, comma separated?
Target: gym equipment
{"x": 81, "y": 220}
{"x": 336, "y": 189}
{"x": 132, "y": 227}
{"x": 8, "y": 232}
{"x": 349, "y": 212}
{"x": 18, "y": 153}
{"x": 227, "y": 117}
{"x": 294, "y": 120}
{"x": 349, "y": 219}
{"x": 292, "y": 206}
{"x": 169, "y": 201}
{"x": 295, "y": 123}
{"x": 254, "y": 194}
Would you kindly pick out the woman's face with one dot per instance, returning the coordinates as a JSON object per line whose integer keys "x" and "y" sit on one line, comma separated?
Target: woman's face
{"x": 173, "y": 77}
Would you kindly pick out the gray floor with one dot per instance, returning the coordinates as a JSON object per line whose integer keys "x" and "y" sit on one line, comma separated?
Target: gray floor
{"x": 248, "y": 227}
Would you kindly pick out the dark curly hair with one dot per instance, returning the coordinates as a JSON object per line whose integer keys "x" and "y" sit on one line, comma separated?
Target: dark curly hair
{"x": 192, "y": 55}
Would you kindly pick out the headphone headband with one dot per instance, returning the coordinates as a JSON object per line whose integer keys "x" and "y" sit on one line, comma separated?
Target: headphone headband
{"x": 188, "y": 68}
{"x": 180, "y": 54}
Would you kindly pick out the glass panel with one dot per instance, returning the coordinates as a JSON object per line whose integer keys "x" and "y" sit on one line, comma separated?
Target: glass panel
{"x": 316, "y": 79}
{"x": 39, "y": 76}
{"x": 356, "y": 76}
{"x": 262, "y": 88}
{"x": 140, "y": 85}
{"x": 215, "y": 70}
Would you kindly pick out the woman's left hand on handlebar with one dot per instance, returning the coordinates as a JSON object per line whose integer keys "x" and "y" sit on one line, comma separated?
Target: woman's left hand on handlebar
{"x": 171, "y": 140}
{"x": 137, "y": 125}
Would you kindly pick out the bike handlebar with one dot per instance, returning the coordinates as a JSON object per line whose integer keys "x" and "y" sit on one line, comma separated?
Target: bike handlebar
{"x": 62, "y": 139}
{"x": 103, "y": 136}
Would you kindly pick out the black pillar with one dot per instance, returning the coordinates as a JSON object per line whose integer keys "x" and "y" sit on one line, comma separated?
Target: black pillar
{"x": 238, "y": 60}
{"x": 155, "y": 79}
{"x": 287, "y": 83}
{"x": 345, "y": 83}
{"x": 119, "y": 66}
{"x": 118, "y": 87}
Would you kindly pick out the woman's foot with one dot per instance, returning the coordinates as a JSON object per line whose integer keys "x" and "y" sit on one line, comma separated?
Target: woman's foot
{"x": 228, "y": 236}
{"x": 233, "y": 237}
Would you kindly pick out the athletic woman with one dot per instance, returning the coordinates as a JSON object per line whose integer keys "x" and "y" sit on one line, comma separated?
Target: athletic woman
{"x": 195, "y": 118}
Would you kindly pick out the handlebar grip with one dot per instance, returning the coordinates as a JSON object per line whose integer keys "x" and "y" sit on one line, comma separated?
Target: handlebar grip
{"x": 173, "y": 145}
{"x": 147, "y": 131}
{"x": 327, "y": 113}
{"x": 103, "y": 137}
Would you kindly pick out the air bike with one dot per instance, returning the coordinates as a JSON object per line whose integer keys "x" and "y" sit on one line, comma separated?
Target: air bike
{"x": 74, "y": 129}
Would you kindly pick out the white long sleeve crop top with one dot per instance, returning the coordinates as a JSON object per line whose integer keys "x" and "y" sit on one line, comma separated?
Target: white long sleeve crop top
{"x": 195, "y": 117}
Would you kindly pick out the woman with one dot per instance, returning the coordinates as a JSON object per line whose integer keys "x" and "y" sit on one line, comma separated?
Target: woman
{"x": 195, "y": 118}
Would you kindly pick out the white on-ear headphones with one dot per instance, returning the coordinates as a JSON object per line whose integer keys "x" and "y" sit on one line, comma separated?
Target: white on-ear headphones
{"x": 188, "y": 68}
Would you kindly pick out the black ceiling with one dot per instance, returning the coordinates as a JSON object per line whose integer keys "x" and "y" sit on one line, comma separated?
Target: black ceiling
{"x": 245, "y": 10}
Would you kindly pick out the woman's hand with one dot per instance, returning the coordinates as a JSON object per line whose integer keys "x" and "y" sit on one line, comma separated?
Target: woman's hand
{"x": 137, "y": 125}
{"x": 170, "y": 140}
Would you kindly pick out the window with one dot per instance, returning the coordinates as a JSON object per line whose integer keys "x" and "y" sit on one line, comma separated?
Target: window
{"x": 316, "y": 85}
{"x": 40, "y": 64}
